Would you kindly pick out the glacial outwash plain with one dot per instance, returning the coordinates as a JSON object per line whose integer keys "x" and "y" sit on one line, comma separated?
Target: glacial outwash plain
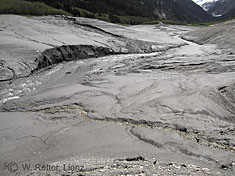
{"x": 110, "y": 99}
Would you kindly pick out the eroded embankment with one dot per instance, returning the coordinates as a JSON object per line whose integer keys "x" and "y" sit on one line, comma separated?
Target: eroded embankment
{"x": 60, "y": 54}
{"x": 68, "y": 53}
{"x": 30, "y": 44}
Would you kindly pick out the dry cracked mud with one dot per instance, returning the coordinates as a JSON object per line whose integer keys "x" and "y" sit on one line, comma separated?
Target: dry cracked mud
{"x": 92, "y": 98}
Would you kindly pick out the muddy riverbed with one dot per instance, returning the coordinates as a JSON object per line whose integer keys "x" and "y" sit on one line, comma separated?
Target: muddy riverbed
{"x": 151, "y": 100}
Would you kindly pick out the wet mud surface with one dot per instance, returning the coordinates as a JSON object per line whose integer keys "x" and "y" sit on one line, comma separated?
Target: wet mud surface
{"x": 161, "y": 103}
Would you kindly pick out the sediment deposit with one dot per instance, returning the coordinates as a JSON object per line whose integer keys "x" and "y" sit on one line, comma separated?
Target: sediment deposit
{"x": 116, "y": 100}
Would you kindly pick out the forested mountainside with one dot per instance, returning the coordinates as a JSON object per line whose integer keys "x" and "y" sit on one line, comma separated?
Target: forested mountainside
{"x": 133, "y": 11}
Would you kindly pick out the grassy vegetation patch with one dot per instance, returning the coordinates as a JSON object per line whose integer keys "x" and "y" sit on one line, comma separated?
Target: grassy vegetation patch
{"x": 21, "y": 7}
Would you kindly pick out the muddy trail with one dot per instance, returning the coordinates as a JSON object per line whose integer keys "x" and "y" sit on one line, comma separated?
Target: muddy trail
{"x": 137, "y": 100}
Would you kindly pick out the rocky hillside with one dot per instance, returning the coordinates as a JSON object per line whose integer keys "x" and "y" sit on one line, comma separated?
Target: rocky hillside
{"x": 182, "y": 10}
{"x": 221, "y": 8}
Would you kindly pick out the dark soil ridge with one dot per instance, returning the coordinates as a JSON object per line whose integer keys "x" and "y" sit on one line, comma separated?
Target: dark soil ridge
{"x": 63, "y": 53}
{"x": 56, "y": 55}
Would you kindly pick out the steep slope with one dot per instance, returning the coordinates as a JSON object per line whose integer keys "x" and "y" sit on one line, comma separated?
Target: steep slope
{"x": 180, "y": 10}
{"x": 22, "y": 7}
{"x": 207, "y": 5}
{"x": 221, "y": 8}
{"x": 116, "y": 10}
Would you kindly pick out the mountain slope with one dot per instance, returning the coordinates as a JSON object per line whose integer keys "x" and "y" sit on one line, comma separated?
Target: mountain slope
{"x": 177, "y": 10}
{"x": 22, "y": 7}
{"x": 207, "y": 5}
{"x": 221, "y": 8}
{"x": 182, "y": 10}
